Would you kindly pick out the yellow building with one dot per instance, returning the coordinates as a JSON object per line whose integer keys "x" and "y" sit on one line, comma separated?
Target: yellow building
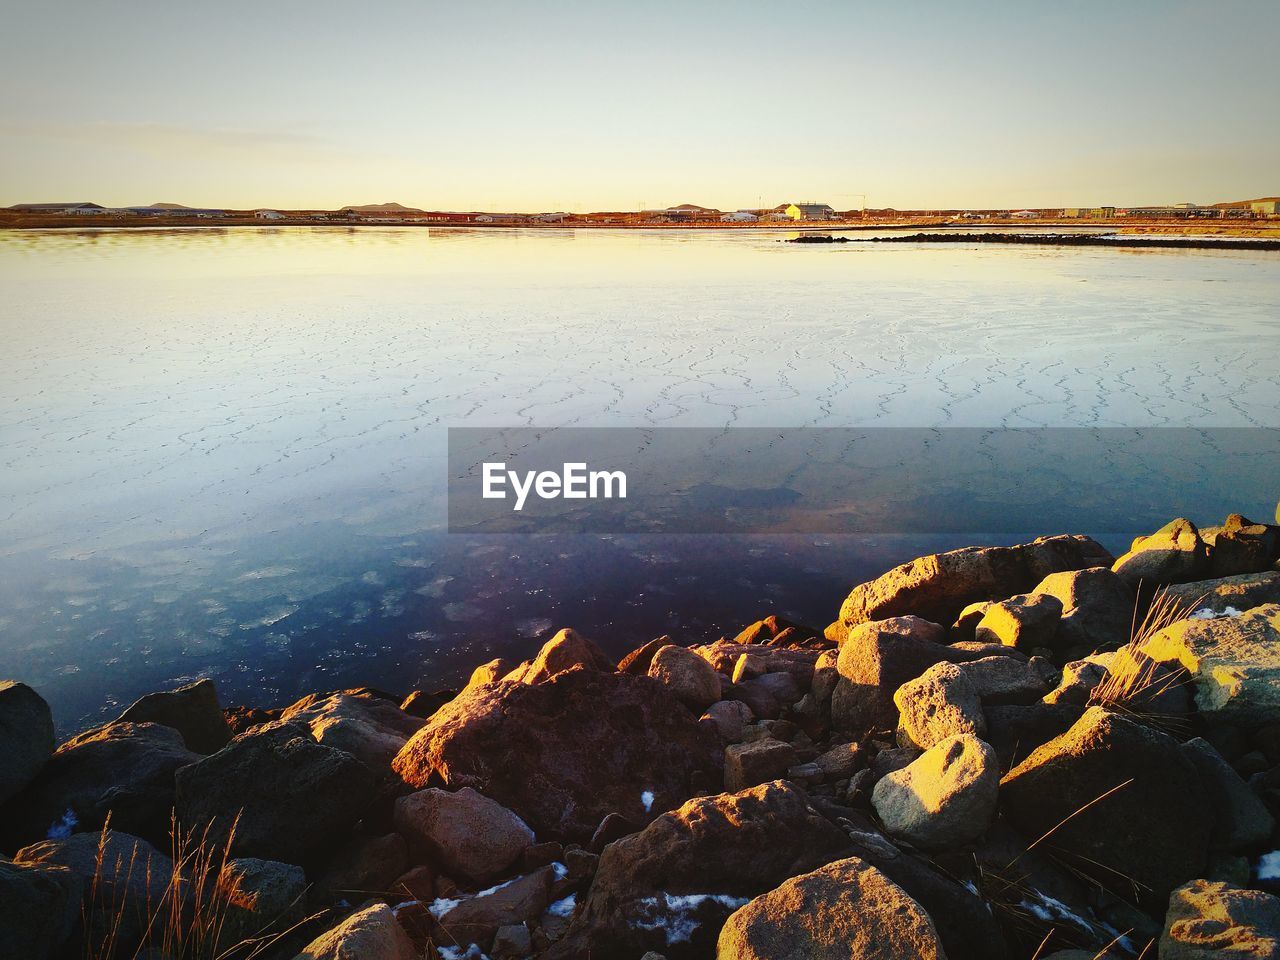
{"x": 811, "y": 211}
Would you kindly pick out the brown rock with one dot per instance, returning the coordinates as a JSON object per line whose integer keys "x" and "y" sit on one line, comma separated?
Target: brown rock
{"x": 936, "y": 705}
{"x": 567, "y": 649}
{"x": 944, "y": 798}
{"x": 464, "y": 831}
{"x": 363, "y": 867}
{"x": 747, "y": 764}
{"x": 564, "y": 753}
{"x": 476, "y": 919}
{"x": 1173, "y": 554}
{"x": 875, "y": 660}
{"x": 692, "y": 680}
{"x": 26, "y": 736}
{"x": 1209, "y": 921}
{"x": 638, "y": 660}
{"x": 369, "y": 934}
{"x": 371, "y": 729}
{"x": 192, "y": 710}
{"x": 1025, "y": 622}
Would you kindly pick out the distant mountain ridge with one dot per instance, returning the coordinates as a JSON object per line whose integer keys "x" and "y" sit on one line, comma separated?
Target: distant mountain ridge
{"x": 388, "y": 207}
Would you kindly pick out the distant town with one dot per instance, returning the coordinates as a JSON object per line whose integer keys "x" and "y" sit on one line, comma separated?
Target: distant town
{"x": 784, "y": 215}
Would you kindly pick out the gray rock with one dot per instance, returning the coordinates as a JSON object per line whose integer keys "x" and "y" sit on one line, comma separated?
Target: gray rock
{"x": 1004, "y": 680}
{"x": 1025, "y": 622}
{"x": 1227, "y": 593}
{"x": 363, "y": 867}
{"x": 192, "y": 710}
{"x": 1173, "y": 554}
{"x": 945, "y": 798}
{"x": 730, "y": 718}
{"x": 939, "y": 704}
{"x": 1097, "y": 608}
{"x": 26, "y": 736}
{"x": 464, "y": 831}
{"x": 39, "y": 907}
{"x": 875, "y": 660}
{"x": 759, "y": 761}
{"x": 1207, "y": 921}
{"x": 262, "y": 897}
{"x": 1241, "y": 821}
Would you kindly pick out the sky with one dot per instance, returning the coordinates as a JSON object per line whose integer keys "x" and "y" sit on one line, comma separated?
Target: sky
{"x": 609, "y": 105}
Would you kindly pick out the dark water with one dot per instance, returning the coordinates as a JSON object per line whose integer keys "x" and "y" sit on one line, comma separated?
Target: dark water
{"x": 223, "y": 452}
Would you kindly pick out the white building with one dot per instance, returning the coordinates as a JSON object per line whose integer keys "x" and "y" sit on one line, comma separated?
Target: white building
{"x": 740, "y": 216}
{"x": 268, "y": 215}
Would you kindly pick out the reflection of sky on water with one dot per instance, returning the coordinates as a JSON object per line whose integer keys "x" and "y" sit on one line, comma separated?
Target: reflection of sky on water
{"x": 223, "y": 451}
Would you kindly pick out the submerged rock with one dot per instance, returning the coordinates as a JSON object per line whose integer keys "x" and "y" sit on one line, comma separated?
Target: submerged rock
{"x": 26, "y": 736}
{"x": 564, "y": 753}
{"x": 847, "y": 910}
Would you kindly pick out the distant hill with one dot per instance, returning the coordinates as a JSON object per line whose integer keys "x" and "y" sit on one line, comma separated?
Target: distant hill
{"x": 169, "y": 206}
{"x": 1242, "y": 203}
{"x": 389, "y": 207}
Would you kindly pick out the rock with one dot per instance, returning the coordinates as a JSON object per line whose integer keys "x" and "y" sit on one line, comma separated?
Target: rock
{"x": 567, "y": 649}
{"x": 512, "y": 942}
{"x": 1137, "y": 683}
{"x": 749, "y": 666}
{"x": 371, "y": 729}
{"x": 638, "y": 660}
{"x": 1207, "y": 921}
{"x": 243, "y": 719}
{"x": 26, "y": 736}
{"x": 613, "y": 827}
{"x": 1004, "y": 680}
{"x": 887, "y": 761}
{"x": 422, "y": 705}
{"x": 1173, "y": 554}
{"x": 490, "y": 672}
{"x": 1097, "y": 608}
{"x": 692, "y": 680}
{"x": 1079, "y": 678}
{"x": 758, "y": 700}
{"x": 465, "y": 832}
{"x": 729, "y": 717}
{"x": 39, "y": 908}
{"x": 875, "y": 660}
{"x": 294, "y": 798}
{"x": 747, "y": 764}
{"x": 1119, "y": 801}
{"x": 938, "y": 587}
{"x": 1240, "y": 820}
{"x": 840, "y": 762}
{"x": 418, "y": 883}
{"x": 122, "y": 878}
{"x": 564, "y": 753}
{"x": 1234, "y": 662}
{"x": 192, "y": 710}
{"x": 782, "y": 686}
{"x": 369, "y": 934}
{"x": 1016, "y": 731}
{"x": 939, "y": 704}
{"x": 123, "y": 769}
{"x": 1026, "y": 622}
{"x": 1240, "y": 546}
{"x": 1227, "y": 594}
{"x": 262, "y": 897}
{"x": 945, "y": 798}
{"x": 363, "y": 867}
{"x": 847, "y": 910}
{"x": 671, "y": 886}
{"x": 965, "y": 624}
{"x": 477, "y": 919}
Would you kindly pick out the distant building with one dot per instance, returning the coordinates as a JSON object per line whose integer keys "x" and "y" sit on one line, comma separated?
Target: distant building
{"x": 268, "y": 215}
{"x": 1265, "y": 208}
{"x": 1177, "y": 211}
{"x": 740, "y": 216}
{"x": 1089, "y": 213}
{"x": 552, "y": 217}
{"x": 811, "y": 211}
{"x": 1025, "y": 214}
{"x": 484, "y": 218}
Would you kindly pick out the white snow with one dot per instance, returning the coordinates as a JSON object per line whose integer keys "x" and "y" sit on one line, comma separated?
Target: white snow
{"x": 1208, "y": 613}
{"x": 472, "y": 952}
{"x": 565, "y": 907}
{"x": 559, "y": 869}
{"x": 1269, "y": 866}
{"x": 441, "y": 906}
{"x": 646, "y": 798}
{"x": 64, "y": 827}
{"x": 672, "y": 914}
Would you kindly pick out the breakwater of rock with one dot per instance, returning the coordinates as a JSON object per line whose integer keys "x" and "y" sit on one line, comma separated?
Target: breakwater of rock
{"x": 995, "y": 753}
{"x": 1054, "y": 240}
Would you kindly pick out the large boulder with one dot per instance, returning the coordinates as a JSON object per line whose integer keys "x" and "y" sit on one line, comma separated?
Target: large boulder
{"x": 363, "y": 867}
{"x": 1097, "y": 608}
{"x": 123, "y": 769}
{"x": 847, "y": 910}
{"x": 1173, "y": 554}
{"x": 371, "y": 729}
{"x": 1234, "y": 662}
{"x": 692, "y": 680}
{"x": 1026, "y": 622}
{"x": 945, "y": 797}
{"x": 565, "y": 753}
{"x": 1116, "y": 800}
{"x": 124, "y": 882}
{"x": 475, "y": 920}
{"x": 756, "y": 761}
{"x": 39, "y": 907}
{"x": 288, "y": 797}
{"x": 468, "y": 834}
{"x": 670, "y": 887}
{"x": 938, "y": 704}
{"x": 939, "y": 586}
{"x": 1241, "y": 820}
{"x": 26, "y": 736}
{"x": 373, "y": 933}
{"x": 875, "y": 660}
{"x": 566, "y": 650}
{"x": 1004, "y": 680}
{"x": 1240, "y": 546}
{"x": 1210, "y": 921}
{"x": 1226, "y": 595}
{"x": 192, "y": 710}
{"x": 261, "y": 897}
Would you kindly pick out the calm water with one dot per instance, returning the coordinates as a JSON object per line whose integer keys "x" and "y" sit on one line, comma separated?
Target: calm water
{"x": 223, "y": 450}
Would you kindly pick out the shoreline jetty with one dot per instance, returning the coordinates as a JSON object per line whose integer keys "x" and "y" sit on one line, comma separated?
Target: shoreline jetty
{"x": 995, "y": 753}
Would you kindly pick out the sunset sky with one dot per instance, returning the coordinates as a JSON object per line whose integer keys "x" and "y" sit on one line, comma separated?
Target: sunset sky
{"x": 607, "y": 105}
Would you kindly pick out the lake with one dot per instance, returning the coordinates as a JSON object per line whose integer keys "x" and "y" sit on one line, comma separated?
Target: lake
{"x": 224, "y": 450}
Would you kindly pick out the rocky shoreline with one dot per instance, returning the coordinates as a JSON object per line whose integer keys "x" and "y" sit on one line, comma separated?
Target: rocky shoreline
{"x": 995, "y": 753}
{"x": 1184, "y": 242}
